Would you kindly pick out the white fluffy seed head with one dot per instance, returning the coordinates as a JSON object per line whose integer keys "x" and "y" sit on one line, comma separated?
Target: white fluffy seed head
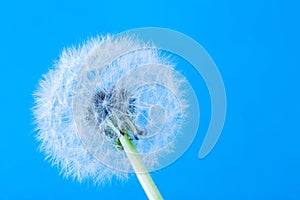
{"x": 143, "y": 94}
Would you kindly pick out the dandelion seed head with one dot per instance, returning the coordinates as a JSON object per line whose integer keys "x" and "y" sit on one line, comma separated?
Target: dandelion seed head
{"x": 106, "y": 84}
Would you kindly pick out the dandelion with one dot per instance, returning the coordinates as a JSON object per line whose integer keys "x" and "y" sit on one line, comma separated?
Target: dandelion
{"x": 110, "y": 107}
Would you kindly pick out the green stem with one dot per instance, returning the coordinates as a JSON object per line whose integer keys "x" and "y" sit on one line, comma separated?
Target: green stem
{"x": 140, "y": 168}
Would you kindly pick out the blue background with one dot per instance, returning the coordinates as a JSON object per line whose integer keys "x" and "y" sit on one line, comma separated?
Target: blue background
{"x": 255, "y": 45}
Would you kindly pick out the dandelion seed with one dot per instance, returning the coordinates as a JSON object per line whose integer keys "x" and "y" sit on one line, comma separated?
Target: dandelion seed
{"x": 107, "y": 108}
